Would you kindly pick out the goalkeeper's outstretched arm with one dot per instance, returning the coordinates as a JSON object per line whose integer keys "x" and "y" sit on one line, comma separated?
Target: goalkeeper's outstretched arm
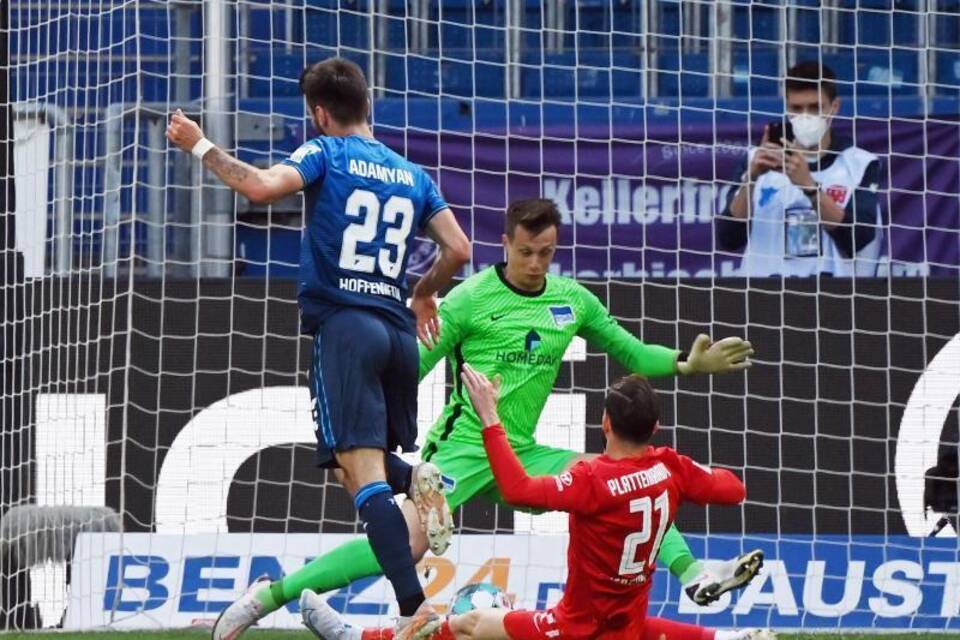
{"x": 602, "y": 330}
{"x": 260, "y": 186}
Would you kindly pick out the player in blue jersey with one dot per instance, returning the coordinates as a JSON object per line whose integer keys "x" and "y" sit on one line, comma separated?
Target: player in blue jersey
{"x": 364, "y": 205}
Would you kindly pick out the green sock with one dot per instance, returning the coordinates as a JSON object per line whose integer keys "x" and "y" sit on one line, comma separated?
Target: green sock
{"x": 333, "y": 570}
{"x": 686, "y": 570}
{"x": 676, "y": 555}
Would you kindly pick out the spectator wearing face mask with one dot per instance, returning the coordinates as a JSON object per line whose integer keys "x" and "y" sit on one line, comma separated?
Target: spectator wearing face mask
{"x": 807, "y": 202}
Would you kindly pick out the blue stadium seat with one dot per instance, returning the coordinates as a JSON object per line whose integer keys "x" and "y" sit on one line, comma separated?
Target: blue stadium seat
{"x": 886, "y": 71}
{"x": 396, "y": 72}
{"x": 274, "y": 72}
{"x": 455, "y": 36}
{"x": 808, "y": 21}
{"x": 423, "y": 75}
{"x": 456, "y": 78}
{"x": 692, "y": 80}
{"x": 489, "y": 44}
{"x": 626, "y": 76}
{"x": 489, "y": 80}
{"x": 948, "y": 68}
{"x": 553, "y": 82}
{"x": 756, "y": 70}
{"x": 764, "y": 24}
{"x": 667, "y": 63}
{"x": 906, "y": 29}
{"x": 261, "y": 23}
{"x": 844, "y": 66}
{"x": 669, "y": 19}
{"x": 873, "y": 28}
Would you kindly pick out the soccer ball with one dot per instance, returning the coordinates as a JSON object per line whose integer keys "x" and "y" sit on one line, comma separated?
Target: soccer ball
{"x": 481, "y": 595}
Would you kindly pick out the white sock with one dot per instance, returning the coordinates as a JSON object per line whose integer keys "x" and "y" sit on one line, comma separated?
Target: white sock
{"x": 350, "y": 632}
{"x": 728, "y": 634}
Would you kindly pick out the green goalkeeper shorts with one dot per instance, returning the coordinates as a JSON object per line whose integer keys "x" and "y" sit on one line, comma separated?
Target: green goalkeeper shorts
{"x": 466, "y": 470}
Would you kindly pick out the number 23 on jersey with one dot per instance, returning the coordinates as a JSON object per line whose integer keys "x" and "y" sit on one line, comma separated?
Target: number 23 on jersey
{"x": 397, "y": 213}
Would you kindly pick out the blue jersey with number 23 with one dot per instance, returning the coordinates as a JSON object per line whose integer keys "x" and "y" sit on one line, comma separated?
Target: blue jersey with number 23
{"x": 365, "y": 204}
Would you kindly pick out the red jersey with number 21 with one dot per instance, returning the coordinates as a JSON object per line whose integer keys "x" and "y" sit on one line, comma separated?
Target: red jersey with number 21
{"x": 619, "y": 513}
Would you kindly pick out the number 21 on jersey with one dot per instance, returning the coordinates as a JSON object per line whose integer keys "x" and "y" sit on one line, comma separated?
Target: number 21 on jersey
{"x": 364, "y": 206}
{"x": 629, "y": 564}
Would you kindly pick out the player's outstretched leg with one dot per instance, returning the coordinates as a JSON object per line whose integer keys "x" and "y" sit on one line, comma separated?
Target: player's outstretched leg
{"x": 325, "y": 623}
{"x": 702, "y": 585}
{"x": 333, "y": 570}
{"x": 492, "y": 624}
{"x": 663, "y": 629}
{"x": 708, "y": 586}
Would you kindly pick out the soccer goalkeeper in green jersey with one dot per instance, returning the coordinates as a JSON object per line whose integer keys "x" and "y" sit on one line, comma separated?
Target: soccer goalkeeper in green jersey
{"x": 515, "y": 321}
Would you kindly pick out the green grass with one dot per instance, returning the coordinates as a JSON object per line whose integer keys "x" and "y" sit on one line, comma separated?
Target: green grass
{"x": 303, "y": 635}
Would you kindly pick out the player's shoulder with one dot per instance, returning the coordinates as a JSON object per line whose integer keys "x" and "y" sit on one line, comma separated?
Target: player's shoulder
{"x": 310, "y": 147}
{"x": 422, "y": 181}
{"x": 484, "y": 279}
{"x": 576, "y": 294}
{"x": 580, "y": 472}
{"x": 567, "y": 286}
{"x": 673, "y": 459}
{"x": 662, "y": 454}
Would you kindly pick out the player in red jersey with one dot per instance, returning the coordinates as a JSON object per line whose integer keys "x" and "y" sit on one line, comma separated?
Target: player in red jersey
{"x": 620, "y": 505}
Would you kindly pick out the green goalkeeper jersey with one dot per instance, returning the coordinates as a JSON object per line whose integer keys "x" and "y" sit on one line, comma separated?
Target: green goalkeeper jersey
{"x": 522, "y": 336}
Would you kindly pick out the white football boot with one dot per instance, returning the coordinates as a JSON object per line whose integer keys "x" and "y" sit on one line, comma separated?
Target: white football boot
{"x": 428, "y": 496}
{"x": 323, "y": 621}
{"x": 422, "y": 625}
{"x": 241, "y": 614}
{"x": 708, "y": 586}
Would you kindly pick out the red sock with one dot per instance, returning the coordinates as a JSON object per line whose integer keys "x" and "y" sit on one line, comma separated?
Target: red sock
{"x": 654, "y": 628}
{"x": 444, "y": 633}
{"x": 386, "y": 633}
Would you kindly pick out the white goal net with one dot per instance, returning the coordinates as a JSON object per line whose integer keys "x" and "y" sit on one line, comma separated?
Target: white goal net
{"x": 157, "y": 440}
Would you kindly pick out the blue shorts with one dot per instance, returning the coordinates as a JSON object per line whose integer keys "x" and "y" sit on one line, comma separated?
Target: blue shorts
{"x": 363, "y": 384}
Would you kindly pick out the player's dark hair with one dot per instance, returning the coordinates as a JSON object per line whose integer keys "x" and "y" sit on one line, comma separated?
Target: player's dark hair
{"x": 633, "y": 408}
{"x": 810, "y": 74}
{"x": 337, "y": 85}
{"x": 534, "y": 215}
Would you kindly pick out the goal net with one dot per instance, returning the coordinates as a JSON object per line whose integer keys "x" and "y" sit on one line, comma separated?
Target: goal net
{"x": 157, "y": 447}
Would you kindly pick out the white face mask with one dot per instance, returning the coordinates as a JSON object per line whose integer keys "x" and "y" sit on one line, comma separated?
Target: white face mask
{"x": 808, "y": 129}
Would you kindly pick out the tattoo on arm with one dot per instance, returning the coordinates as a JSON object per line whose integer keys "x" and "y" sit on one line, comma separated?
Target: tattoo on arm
{"x": 227, "y": 168}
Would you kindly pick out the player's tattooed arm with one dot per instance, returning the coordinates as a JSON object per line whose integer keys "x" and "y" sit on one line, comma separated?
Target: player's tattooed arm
{"x": 257, "y": 185}
{"x": 232, "y": 171}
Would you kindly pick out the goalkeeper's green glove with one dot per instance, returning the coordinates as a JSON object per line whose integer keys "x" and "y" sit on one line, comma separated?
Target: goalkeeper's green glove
{"x": 729, "y": 354}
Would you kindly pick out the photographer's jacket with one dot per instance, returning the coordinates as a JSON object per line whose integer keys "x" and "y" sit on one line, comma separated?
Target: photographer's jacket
{"x": 784, "y": 234}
